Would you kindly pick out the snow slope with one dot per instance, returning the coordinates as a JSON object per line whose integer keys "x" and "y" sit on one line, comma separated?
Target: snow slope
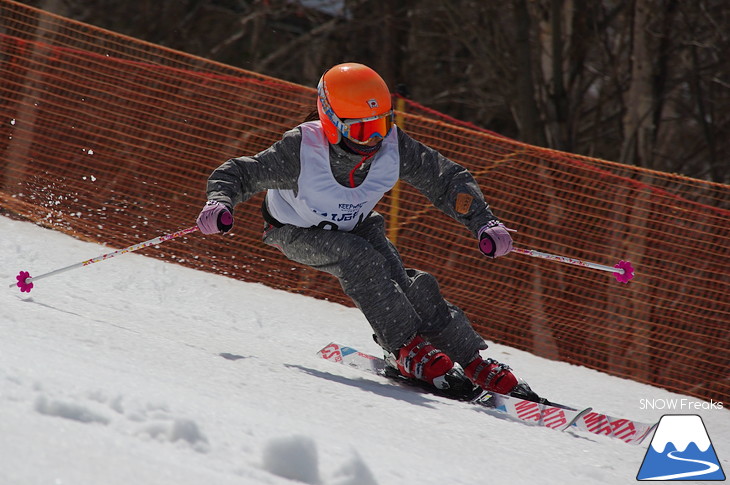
{"x": 137, "y": 371}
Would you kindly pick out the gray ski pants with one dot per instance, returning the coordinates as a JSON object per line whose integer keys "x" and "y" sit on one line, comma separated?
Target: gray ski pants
{"x": 397, "y": 302}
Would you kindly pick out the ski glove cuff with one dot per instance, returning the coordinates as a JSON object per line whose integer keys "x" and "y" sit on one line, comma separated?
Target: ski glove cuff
{"x": 215, "y": 218}
{"x": 494, "y": 240}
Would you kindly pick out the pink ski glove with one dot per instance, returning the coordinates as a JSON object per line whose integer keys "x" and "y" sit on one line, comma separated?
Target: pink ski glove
{"x": 215, "y": 218}
{"x": 494, "y": 240}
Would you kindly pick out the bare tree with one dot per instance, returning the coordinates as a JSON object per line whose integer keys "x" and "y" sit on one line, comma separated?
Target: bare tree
{"x": 640, "y": 81}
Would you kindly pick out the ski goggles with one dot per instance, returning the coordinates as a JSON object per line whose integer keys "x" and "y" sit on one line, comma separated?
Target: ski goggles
{"x": 364, "y": 130}
{"x": 358, "y": 130}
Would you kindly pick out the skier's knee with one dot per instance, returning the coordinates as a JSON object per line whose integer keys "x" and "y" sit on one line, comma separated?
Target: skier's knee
{"x": 363, "y": 270}
{"x": 422, "y": 286}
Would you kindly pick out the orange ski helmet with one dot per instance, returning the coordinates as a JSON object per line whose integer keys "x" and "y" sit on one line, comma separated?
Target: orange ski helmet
{"x": 353, "y": 101}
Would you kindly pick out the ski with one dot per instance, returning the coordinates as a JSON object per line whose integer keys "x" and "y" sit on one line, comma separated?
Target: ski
{"x": 546, "y": 415}
{"x": 627, "y": 430}
{"x": 553, "y": 415}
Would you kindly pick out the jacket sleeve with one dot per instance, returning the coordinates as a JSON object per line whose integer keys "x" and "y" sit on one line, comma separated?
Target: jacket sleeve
{"x": 277, "y": 167}
{"x": 448, "y": 185}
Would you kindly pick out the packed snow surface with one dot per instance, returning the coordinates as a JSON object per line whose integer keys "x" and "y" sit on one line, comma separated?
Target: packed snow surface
{"x": 138, "y": 371}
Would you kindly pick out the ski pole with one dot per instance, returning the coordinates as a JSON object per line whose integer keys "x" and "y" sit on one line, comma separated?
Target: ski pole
{"x": 623, "y": 271}
{"x": 25, "y": 281}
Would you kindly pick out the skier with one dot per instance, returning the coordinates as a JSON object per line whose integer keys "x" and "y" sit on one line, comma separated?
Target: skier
{"x": 322, "y": 181}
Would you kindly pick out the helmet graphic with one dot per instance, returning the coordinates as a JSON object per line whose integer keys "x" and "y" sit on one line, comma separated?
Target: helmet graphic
{"x": 353, "y": 102}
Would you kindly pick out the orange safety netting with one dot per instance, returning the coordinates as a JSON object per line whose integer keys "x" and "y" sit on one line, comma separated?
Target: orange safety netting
{"x": 111, "y": 139}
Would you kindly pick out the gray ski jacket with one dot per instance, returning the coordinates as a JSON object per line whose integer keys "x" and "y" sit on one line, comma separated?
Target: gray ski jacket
{"x": 448, "y": 185}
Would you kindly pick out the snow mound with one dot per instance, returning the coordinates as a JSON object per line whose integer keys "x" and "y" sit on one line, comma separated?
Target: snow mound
{"x": 296, "y": 458}
{"x": 354, "y": 472}
{"x": 293, "y": 457}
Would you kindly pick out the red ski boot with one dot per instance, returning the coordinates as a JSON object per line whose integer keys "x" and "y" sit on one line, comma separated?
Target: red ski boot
{"x": 420, "y": 360}
{"x": 490, "y": 375}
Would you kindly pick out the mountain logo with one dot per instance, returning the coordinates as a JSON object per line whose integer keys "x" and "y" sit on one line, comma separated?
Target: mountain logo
{"x": 681, "y": 450}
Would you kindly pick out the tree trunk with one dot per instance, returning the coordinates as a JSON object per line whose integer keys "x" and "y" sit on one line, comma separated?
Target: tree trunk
{"x": 638, "y": 123}
{"x": 527, "y": 116}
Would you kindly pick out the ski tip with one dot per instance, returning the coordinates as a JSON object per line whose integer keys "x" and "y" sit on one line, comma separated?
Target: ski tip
{"x": 576, "y": 418}
{"x": 328, "y": 346}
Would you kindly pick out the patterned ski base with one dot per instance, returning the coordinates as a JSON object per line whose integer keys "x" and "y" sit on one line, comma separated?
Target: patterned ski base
{"x": 555, "y": 416}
